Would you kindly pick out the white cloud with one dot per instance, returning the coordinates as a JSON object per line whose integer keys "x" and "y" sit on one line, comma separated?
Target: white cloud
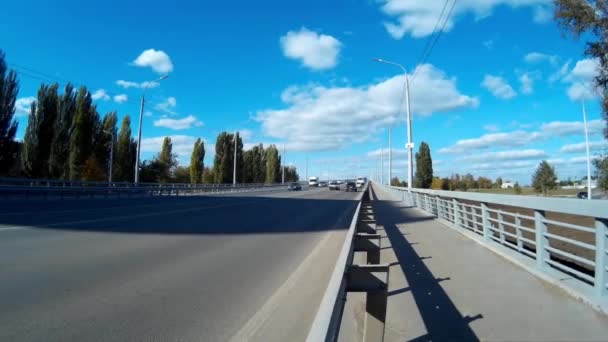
{"x": 527, "y": 84}
{"x": 506, "y": 155}
{"x": 568, "y": 128}
{"x": 245, "y": 134}
{"x": 492, "y": 140}
{"x": 158, "y": 60}
{"x": 491, "y": 128}
{"x": 419, "y": 18}
{"x": 182, "y": 145}
{"x": 498, "y": 87}
{"x": 396, "y": 153}
{"x": 542, "y": 14}
{"x": 319, "y": 118}
{"x": 315, "y": 51}
{"x": 100, "y": 94}
{"x": 522, "y": 164}
{"x": 121, "y": 98}
{"x": 129, "y": 84}
{"x": 23, "y": 105}
{"x": 560, "y": 73}
{"x": 599, "y": 145}
{"x": 537, "y": 57}
{"x": 581, "y": 79}
{"x": 167, "y": 105}
{"x": 178, "y": 124}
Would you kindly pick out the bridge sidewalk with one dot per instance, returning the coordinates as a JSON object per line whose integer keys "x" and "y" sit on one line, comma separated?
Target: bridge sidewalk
{"x": 444, "y": 286}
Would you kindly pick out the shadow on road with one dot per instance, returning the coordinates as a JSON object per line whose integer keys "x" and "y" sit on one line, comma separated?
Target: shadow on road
{"x": 186, "y": 215}
{"x": 442, "y": 319}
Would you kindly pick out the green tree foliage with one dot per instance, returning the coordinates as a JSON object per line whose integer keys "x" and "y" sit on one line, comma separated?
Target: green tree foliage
{"x": 395, "y": 181}
{"x": 424, "y": 167}
{"x": 498, "y": 183}
{"x": 273, "y": 165}
{"x": 484, "y": 183}
{"x": 84, "y": 128}
{"x": 150, "y": 171}
{"x": 517, "y": 189}
{"x": 469, "y": 182}
{"x": 197, "y": 162}
{"x": 125, "y": 149}
{"x": 445, "y": 184}
{"x": 578, "y": 17}
{"x": 39, "y": 133}
{"x": 258, "y": 164}
{"x": 181, "y": 174}
{"x": 9, "y": 87}
{"x": 92, "y": 170}
{"x": 224, "y": 157}
{"x": 58, "y": 160}
{"x": 544, "y": 178}
{"x": 291, "y": 174}
{"x": 208, "y": 177}
{"x": 601, "y": 165}
{"x": 167, "y": 160}
{"x": 436, "y": 184}
{"x": 105, "y": 136}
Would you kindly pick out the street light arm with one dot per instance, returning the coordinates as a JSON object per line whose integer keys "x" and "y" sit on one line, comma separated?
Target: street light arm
{"x": 379, "y": 60}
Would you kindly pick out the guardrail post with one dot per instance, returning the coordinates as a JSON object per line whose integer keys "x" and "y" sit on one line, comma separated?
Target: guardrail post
{"x": 601, "y": 256}
{"x": 456, "y": 213}
{"x": 485, "y": 223}
{"x": 501, "y": 227}
{"x": 520, "y": 243}
{"x": 440, "y": 209}
{"x": 540, "y": 228}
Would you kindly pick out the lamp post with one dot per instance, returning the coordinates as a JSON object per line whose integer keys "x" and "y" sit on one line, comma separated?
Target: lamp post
{"x": 588, "y": 154}
{"x": 234, "y": 162}
{"x": 111, "y": 154}
{"x": 409, "y": 146}
{"x": 141, "y": 117}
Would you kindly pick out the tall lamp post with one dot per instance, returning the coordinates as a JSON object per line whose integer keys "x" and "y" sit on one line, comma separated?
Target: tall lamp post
{"x": 409, "y": 146}
{"x": 234, "y": 161}
{"x": 111, "y": 154}
{"x": 588, "y": 154}
{"x": 141, "y": 117}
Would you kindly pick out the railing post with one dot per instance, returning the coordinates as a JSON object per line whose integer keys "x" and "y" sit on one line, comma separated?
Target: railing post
{"x": 601, "y": 256}
{"x": 501, "y": 227}
{"x": 485, "y": 223}
{"x": 439, "y": 207}
{"x": 520, "y": 246}
{"x": 540, "y": 228}
{"x": 456, "y": 213}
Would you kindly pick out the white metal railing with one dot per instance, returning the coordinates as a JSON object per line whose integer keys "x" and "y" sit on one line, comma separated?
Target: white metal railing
{"x": 531, "y": 226}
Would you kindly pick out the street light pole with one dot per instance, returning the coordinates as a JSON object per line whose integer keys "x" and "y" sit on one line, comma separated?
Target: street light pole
{"x": 111, "y": 155}
{"x": 381, "y": 166}
{"x": 234, "y": 164}
{"x": 390, "y": 155}
{"x": 588, "y": 154}
{"x": 283, "y": 166}
{"x": 410, "y": 145}
{"x": 141, "y": 118}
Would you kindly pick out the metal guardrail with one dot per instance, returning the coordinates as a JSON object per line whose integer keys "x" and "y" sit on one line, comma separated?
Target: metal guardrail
{"x": 28, "y": 188}
{"x": 523, "y": 224}
{"x": 371, "y": 278}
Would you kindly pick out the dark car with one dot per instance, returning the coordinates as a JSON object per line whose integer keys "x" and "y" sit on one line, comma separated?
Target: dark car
{"x": 294, "y": 187}
{"x": 582, "y": 194}
{"x": 351, "y": 186}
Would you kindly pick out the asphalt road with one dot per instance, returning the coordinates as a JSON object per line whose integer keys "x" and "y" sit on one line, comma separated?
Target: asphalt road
{"x": 209, "y": 268}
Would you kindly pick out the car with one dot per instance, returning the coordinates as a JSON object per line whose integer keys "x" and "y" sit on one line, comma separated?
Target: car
{"x": 313, "y": 181}
{"x": 351, "y": 186}
{"x": 334, "y": 185}
{"x": 360, "y": 182}
{"x": 294, "y": 187}
{"x": 582, "y": 195}
{"x": 322, "y": 184}
{"x": 340, "y": 182}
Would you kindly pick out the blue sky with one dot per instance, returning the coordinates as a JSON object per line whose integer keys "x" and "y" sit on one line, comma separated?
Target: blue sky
{"x": 499, "y": 92}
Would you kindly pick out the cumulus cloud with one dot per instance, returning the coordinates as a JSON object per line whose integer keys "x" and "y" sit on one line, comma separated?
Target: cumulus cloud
{"x": 384, "y": 152}
{"x": 129, "y": 84}
{"x": 569, "y": 128}
{"x": 121, "y": 98}
{"x": 506, "y": 155}
{"x": 498, "y": 87}
{"x": 527, "y": 84}
{"x": 491, "y": 128}
{"x": 581, "y": 79}
{"x": 493, "y": 140}
{"x": 158, "y": 60}
{"x": 182, "y": 145}
{"x": 599, "y": 145}
{"x": 419, "y": 18}
{"x": 318, "y": 118}
{"x": 315, "y": 51}
{"x": 23, "y": 105}
{"x": 100, "y": 94}
{"x": 538, "y": 57}
{"x": 167, "y": 106}
{"x": 178, "y": 124}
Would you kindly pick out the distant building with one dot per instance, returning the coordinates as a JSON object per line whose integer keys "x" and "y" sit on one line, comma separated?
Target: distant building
{"x": 507, "y": 185}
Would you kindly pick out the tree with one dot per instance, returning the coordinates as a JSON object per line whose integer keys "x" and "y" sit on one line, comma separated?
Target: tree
{"x": 105, "y": 132}
{"x": 436, "y": 184}
{"x": 124, "y": 161}
{"x": 424, "y": 167}
{"x": 92, "y": 170}
{"x": 167, "y": 160}
{"x": 9, "y": 87}
{"x": 258, "y": 164}
{"x": 517, "y": 188}
{"x": 84, "y": 128}
{"x": 469, "y": 182}
{"x": 498, "y": 182}
{"x": 273, "y": 165}
{"x": 455, "y": 182}
{"x": 149, "y": 171}
{"x": 601, "y": 164}
{"x": 578, "y": 17}
{"x": 181, "y": 174}
{"x": 224, "y": 157}
{"x": 248, "y": 166}
{"x": 60, "y": 149}
{"x": 484, "y": 183}
{"x": 395, "y": 181}
{"x": 291, "y": 174}
{"x": 544, "y": 179}
{"x": 445, "y": 184}
{"x": 208, "y": 177}
{"x": 197, "y": 162}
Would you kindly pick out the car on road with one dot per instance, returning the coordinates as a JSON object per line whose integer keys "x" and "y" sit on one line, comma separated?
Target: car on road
{"x": 360, "y": 182}
{"x": 322, "y": 184}
{"x": 294, "y": 187}
{"x": 334, "y": 185}
{"x": 582, "y": 195}
{"x": 313, "y": 181}
{"x": 351, "y": 186}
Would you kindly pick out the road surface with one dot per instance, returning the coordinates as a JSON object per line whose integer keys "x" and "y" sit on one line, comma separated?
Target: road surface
{"x": 209, "y": 268}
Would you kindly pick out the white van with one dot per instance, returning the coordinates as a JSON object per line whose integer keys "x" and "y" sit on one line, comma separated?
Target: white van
{"x": 360, "y": 182}
{"x": 313, "y": 181}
